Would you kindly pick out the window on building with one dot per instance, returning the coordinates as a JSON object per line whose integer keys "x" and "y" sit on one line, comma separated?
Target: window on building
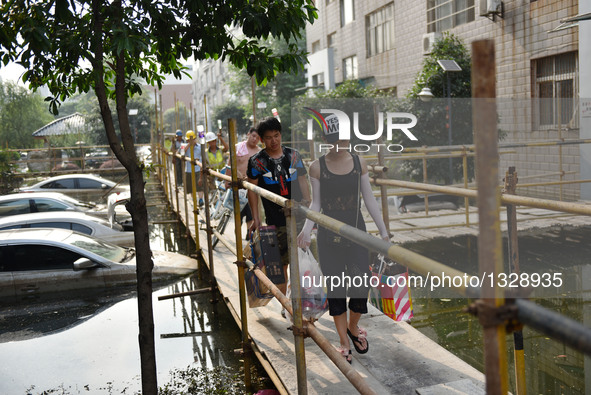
{"x": 316, "y": 46}
{"x": 445, "y": 14}
{"x": 347, "y": 11}
{"x": 330, "y": 39}
{"x": 556, "y": 90}
{"x": 380, "y": 30}
{"x": 318, "y": 79}
{"x": 350, "y": 68}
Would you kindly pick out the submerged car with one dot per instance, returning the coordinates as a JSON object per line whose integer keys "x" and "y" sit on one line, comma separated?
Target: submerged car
{"x": 40, "y": 202}
{"x": 79, "y": 222}
{"x": 44, "y": 260}
{"x": 84, "y": 187}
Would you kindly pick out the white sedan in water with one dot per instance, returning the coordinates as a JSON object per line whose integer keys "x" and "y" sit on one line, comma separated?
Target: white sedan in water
{"x": 85, "y": 187}
{"x": 34, "y": 261}
{"x": 80, "y": 222}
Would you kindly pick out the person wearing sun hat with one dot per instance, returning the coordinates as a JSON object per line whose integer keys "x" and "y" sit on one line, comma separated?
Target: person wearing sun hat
{"x": 215, "y": 155}
{"x": 338, "y": 178}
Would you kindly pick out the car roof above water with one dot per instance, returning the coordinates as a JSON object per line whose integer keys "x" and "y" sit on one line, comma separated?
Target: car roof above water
{"x": 33, "y": 234}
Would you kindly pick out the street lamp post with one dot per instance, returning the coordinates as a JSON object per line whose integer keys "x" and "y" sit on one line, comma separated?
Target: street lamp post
{"x": 449, "y": 66}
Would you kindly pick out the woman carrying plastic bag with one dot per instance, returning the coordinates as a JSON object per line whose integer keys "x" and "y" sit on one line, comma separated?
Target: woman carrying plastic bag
{"x": 338, "y": 179}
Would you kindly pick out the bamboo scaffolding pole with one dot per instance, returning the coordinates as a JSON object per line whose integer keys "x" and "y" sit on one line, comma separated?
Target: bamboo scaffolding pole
{"x": 513, "y": 253}
{"x": 490, "y": 257}
{"x": 573, "y": 208}
{"x": 238, "y": 235}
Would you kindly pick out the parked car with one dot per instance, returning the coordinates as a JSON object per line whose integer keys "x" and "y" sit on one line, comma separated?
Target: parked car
{"x": 85, "y": 187}
{"x": 24, "y": 203}
{"x": 96, "y": 158}
{"x": 80, "y": 222}
{"x": 34, "y": 261}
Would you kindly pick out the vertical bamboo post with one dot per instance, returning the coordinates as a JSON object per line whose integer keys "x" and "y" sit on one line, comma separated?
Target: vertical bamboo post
{"x": 559, "y": 115}
{"x": 205, "y": 182}
{"x": 513, "y": 252}
{"x": 465, "y": 175}
{"x": 383, "y": 188}
{"x": 426, "y": 181}
{"x": 239, "y": 255}
{"x": 296, "y": 298}
{"x": 254, "y": 101}
{"x": 490, "y": 255}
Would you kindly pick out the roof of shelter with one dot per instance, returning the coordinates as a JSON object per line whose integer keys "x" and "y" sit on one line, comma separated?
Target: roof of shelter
{"x": 65, "y": 125}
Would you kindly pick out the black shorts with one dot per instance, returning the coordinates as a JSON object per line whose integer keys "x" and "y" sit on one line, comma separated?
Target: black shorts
{"x": 245, "y": 212}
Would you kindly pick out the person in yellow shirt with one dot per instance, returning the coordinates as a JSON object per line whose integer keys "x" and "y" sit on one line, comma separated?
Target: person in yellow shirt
{"x": 215, "y": 155}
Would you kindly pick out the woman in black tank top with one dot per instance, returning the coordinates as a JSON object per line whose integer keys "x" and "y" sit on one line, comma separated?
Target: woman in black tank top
{"x": 339, "y": 179}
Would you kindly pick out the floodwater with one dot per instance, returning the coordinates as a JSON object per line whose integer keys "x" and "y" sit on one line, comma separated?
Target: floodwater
{"x": 551, "y": 367}
{"x": 87, "y": 343}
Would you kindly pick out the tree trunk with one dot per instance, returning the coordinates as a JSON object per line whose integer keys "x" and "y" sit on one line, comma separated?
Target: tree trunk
{"x": 139, "y": 215}
{"x": 124, "y": 150}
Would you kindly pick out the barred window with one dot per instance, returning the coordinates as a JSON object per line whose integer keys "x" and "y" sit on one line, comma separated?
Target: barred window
{"x": 445, "y": 14}
{"x": 555, "y": 88}
{"x": 380, "y": 30}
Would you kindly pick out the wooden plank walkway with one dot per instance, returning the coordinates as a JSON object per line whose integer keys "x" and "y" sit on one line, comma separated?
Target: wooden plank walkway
{"x": 401, "y": 360}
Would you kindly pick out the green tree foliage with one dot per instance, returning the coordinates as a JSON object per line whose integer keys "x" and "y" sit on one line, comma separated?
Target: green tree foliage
{"x": 179, "y": 118}
{"x": 8, "y": 179}
{"x": 233, "y": 109}
{"x": 277, "y": 93}
{"x": 351, "y": 96}
{"x": 113, "y": 47}
{"x": 21, "y": 113}
{"x": 351, "y": 89}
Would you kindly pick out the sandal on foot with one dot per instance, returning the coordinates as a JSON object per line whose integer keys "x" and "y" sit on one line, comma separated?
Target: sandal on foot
{"x": 346, "y": 353}
{"x": 357, "y": 339}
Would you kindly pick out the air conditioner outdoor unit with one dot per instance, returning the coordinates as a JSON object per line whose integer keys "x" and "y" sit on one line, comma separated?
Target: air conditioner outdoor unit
{"x": 490, "y": 7}
{"x": 428, "y": 42}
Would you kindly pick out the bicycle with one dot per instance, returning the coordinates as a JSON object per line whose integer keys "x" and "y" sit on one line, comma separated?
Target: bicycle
{"x": 225, "y": 210}
{"x": 222, "y": 206}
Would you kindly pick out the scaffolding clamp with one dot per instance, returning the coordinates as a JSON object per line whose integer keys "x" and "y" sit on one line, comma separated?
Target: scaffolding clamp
{"x": 237, "y": 183}
{"x": 241, "y": 264}
{"x": 491, "y": 316}
{"x": 300, "y": 331}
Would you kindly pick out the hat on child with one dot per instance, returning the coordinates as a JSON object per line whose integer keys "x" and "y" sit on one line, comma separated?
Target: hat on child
{"x": 331, "y": 133}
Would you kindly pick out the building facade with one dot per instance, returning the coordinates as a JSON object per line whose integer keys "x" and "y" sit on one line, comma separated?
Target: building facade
{"x": 210, "y": 89}
{"x": 384, "y": 42}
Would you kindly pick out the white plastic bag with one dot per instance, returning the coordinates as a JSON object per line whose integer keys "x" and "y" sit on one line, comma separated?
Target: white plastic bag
{"x": 314, "y": 298}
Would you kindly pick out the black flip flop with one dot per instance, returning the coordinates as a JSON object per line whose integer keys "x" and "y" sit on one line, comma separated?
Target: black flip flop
{"x": 356, "y": 340}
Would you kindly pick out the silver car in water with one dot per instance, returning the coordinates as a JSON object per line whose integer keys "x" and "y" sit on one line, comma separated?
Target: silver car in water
{"x": 80, "y": 222}
{"x": 85, "y": 187}
{"x": 34, "y": 261}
